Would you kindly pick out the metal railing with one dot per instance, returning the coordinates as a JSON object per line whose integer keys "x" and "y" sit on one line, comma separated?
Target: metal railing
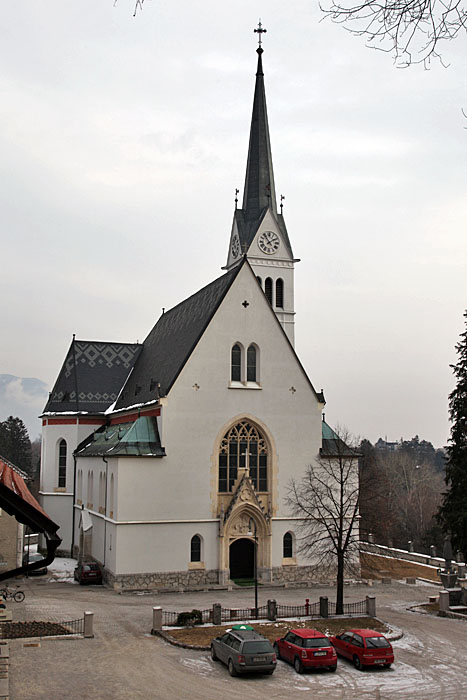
{"x": 232, "y": 614}
{"x": 23, "y": 629}
{"x": 307, "y": 610}
{"x": 350, "y": 609}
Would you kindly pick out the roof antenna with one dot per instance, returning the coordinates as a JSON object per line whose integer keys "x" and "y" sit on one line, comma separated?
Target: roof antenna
{"x": 163, "y": 310}
{"x": 236, "y": 197}
{"x": 282, "y": 199}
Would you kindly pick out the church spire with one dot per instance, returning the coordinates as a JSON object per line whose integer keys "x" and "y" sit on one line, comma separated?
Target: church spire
{"x": 259, "y": 190}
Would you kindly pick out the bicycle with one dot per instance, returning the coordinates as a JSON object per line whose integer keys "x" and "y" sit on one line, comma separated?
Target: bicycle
{"x": 10, "y": 594}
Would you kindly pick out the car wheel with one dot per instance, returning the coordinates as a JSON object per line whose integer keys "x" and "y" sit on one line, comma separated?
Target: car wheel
{"x": 333, "y": 668}
{"x": 276, "y": 650}
{"x": 387, "y": 665}
{"x": 214, "y": 656}
{"x": 232, "y": 669}
{"x": 297, "y": 664}
{"x": 269, "y": 673}
{"x": 357, "y": 663}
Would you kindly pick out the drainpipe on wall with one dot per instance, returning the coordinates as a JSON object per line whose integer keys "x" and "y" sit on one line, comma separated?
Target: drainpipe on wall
{"x": 105, "y": 508}
{"x": 73, "y": 507}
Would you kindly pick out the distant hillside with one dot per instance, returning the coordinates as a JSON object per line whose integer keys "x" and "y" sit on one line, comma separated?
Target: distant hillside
{"x": 25, "y": 398}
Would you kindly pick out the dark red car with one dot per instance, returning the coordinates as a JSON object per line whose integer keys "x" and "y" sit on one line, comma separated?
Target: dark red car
{"x": 364, "y": 648}
{"x": 88, "y": 572}
{"x": 306, "y": 648}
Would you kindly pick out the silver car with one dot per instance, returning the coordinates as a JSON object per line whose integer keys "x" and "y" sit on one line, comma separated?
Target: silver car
{"x": 244, "y": 651}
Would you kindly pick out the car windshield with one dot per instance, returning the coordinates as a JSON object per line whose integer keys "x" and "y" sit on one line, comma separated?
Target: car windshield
{"x": 257, "y": 647}
{"x": 314, "y": 642}
{"x": 377, "y": 643}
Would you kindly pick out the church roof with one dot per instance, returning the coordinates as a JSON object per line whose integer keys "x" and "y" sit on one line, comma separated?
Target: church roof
{"x": 333, "y": 445}
{"x": 91, "y": 376}
{"x": 171, "y": 342}
{"x": 137, "y": 438}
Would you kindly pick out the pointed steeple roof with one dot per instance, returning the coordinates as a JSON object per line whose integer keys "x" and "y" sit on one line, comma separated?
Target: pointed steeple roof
{"x": 259, "y": 190}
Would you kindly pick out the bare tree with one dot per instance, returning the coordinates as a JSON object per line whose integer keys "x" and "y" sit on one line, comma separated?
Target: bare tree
{"x": 409, "y": 29}
{"x": 326, "y": 502}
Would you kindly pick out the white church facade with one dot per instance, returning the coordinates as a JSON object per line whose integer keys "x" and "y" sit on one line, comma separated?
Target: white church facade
{"x": 169, "y": 461}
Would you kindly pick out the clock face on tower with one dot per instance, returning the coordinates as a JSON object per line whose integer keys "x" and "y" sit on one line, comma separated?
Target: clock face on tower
{"x": 269, "y": 242}
{"x": 235, "y": 246}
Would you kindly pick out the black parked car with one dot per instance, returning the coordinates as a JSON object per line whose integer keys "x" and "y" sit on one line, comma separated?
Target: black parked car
{"x": 243, "y": 651}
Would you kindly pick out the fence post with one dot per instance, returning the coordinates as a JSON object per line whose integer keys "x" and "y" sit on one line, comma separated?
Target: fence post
{"x": 307, "y": 606}
{"x": 371, "y": 605}
{"x": 443, "y": 601}
{"x": 323, "y": 606}
{"x": 156, "y": 619}
{"x": 217, "y": 614}
{"x": 432, "y": 551}
{"x": 88, "y": 625}
{"x": 272, "y": 610}
{"x": 410, "y": 546}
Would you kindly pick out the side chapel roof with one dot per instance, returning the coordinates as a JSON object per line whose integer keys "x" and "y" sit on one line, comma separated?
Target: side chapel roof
{"x": 91, "y": 376}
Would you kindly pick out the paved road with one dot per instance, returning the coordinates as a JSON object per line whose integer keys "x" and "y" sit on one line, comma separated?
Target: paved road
{"x": 124, "y": 661}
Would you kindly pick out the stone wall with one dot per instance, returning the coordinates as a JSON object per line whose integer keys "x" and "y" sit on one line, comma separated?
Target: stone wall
{"x": 171, "y": 580}
{"x": 201, "y": 578}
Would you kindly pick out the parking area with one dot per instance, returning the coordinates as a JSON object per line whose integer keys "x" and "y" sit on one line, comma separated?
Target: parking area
{"x": 124, "y": 660}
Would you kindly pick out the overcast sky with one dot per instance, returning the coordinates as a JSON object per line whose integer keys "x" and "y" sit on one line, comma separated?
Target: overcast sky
{"x": 122, "y": 141}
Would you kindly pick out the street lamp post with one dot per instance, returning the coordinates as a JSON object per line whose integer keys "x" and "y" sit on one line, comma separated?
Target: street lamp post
{"x": 253, "y": 532}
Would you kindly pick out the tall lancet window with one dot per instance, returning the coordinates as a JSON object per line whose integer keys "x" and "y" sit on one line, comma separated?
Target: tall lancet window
{"x": 279, "y": 293}
{"x": 268, "y": 289}
{"x": 236, "y": 363}
{"x": 251, "y": 364}
{"x": 243, "y": 446}
{"x": 62, "y": 464}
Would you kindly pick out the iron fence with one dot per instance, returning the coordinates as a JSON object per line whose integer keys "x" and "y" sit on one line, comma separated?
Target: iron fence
{"x": 307, "y": 610}
{"x": 350, "y": 609}
{"x": 232, "y": 614}
{"x": 74, "y": 626}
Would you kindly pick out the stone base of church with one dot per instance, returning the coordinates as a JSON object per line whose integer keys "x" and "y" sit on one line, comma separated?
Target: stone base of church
{"x": 163, "y": 580}
{"x": 201, "y": 578}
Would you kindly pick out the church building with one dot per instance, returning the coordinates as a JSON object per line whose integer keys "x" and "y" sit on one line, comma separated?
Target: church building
{"x": 169, "y": 461}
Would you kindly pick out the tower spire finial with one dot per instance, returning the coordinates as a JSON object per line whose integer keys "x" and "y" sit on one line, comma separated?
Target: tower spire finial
{"x": 259, "y": 31}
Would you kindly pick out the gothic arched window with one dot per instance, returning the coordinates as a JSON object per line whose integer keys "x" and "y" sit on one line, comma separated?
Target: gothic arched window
{"x": 268, "y": 289}
{"x": 251, "y": 364}
{"x": 287, "y": 546}
{"x": 280, "y": 293}
{"x": 62, "y": 463}
{"x": 236, "y": 363}
{"x": 243, "y": 446}
{"x": 195, "y": 548}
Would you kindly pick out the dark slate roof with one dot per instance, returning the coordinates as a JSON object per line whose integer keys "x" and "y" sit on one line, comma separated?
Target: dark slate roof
{"x": 91, "y": 377}
{"x": 139, "y": 438}
{"x": 260, "y": 193}
{"x": 171, "y": 342}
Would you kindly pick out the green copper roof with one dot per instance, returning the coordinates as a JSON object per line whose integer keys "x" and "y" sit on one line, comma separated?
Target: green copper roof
{"x": 137, "y": 438}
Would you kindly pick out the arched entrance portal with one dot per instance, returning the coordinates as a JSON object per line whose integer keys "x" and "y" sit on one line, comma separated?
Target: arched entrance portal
{"x": 242, "y": 559}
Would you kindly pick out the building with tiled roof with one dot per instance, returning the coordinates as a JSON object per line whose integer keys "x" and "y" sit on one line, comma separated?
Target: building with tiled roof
{"x": 167, "y": 461}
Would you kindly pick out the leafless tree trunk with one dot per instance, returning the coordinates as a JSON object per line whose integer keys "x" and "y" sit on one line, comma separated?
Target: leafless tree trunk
{"x": 326, "y": 501}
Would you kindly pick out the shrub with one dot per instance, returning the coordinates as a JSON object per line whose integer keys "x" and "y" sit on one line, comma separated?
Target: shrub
{"x": 188, "y": 619}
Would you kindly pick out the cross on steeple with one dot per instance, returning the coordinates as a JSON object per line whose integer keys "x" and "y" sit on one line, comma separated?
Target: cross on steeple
{"x": 260, "y": 31}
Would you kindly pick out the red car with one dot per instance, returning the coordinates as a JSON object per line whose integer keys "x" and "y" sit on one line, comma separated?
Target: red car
{"x": 88, "y": 572}
{"x": 364, "y": 648}
{"x": 306, "y": 649}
